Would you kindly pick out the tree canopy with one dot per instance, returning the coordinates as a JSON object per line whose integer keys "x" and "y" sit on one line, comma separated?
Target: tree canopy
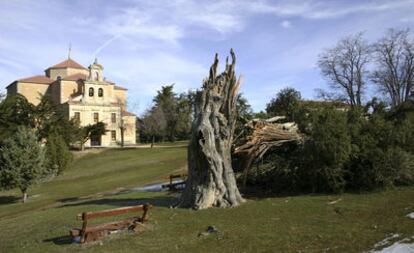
{"x": 286, "y": 103}
{"x": 22, "y": 160}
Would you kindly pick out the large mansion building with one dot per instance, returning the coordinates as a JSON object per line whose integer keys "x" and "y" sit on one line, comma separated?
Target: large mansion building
{"x": 85, "y": 94}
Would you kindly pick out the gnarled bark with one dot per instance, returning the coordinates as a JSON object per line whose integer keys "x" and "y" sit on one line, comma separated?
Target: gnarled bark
{"x": 211, "y": 180}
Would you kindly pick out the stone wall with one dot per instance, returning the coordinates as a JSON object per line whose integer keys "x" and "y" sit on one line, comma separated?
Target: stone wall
{"x": 32, "y": 91}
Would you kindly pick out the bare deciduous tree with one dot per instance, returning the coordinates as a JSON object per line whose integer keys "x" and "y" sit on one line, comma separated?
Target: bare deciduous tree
{"x": 154, "y": 123}
{"x": 121, "y": 121}
{"x": 345, "y": 66}
{"x": 394, "y": 74}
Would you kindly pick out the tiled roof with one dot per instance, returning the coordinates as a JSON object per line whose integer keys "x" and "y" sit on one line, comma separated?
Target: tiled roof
{"x": 69, "y": 63}
{"x": 75, "y": 77}
{"x": 36, "y": 79}
{"x": 119, "y": 88}
{"x": 125, "y": 113}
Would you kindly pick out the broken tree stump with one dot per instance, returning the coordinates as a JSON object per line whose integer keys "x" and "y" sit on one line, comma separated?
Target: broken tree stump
{"x": 211, "y": 181}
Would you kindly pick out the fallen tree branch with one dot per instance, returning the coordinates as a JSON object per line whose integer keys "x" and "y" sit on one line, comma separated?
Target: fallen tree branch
{"x": 265, "y": 135}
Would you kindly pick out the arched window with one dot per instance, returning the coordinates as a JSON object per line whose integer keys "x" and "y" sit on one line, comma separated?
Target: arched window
{"x": 100, "y": 92}
{"x": 91, "y": 91}
{"x": 96, "y": 76}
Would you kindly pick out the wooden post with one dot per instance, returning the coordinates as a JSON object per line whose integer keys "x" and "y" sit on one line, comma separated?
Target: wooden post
{"x": 84, "y": 225}
{"x": 144, "y": 215}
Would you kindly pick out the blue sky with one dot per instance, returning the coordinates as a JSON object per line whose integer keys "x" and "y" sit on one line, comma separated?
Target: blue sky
{"x": 145, "y": 44}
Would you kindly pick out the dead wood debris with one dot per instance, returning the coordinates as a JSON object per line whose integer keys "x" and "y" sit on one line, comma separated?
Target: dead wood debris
{"x": 265, "y": 134}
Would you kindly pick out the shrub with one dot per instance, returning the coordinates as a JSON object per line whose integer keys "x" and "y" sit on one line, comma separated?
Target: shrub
{"x": 402, "y": 164}
{"x": 358, "y": 149}
{"x": 326, "y": 151}
{"x": 21, "y": 161}
{"x": 285, "y": 103}
{"x": 57, "y": 154}
{"x": 382, "y": 152}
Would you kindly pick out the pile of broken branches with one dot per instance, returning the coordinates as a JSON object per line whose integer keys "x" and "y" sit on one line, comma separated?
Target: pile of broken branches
{"x": 264, "y": 135}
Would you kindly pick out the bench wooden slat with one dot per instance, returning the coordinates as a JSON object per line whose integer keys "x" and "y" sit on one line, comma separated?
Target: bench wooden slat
{"x": 90, "y": 233}
{"x": 114, "y": 225}
{"x": 173, "y": 185}
{"x": 113, "y": 212}
{"x": 178, "y": 175}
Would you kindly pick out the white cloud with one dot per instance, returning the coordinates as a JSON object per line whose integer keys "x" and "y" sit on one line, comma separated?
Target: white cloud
{"x": 143, "y": 76}
{"x": 286, "y": 24}
{"x": 314, "y": 9}
{"x": 144, "y": 44}
{"x": 147, "y": 74}
{"x": 220, "y": 22}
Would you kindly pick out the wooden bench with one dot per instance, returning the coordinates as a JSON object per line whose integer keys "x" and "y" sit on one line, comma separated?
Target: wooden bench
{"x": 95, "y": 232}
{"x": 173, "y": 186}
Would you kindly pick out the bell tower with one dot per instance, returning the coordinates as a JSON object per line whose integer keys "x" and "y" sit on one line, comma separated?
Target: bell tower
{"x": 96, "y": 71}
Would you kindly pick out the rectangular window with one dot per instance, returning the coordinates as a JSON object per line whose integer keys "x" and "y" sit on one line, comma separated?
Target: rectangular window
{"x": 77, "y": 116}
{"x": 113, "y": 135}
{"x": 95, "y": 117}
{"x": 113, "y": 117}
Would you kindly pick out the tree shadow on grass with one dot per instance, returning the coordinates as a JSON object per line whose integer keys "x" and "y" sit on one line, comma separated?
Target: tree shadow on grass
{"x": 164, "y": 201}
{"x": 257, "y": 193}
{"x": 71, "y": 199}
{"x": 60, "y": 240}
{"x": 8, "y": 199}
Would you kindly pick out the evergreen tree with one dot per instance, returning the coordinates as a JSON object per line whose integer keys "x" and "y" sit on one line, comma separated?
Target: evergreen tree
{"x": 184, "y": 115}
{"x": 166, "y": 99}
{"x": 286, "y": 103}
{"x": 326, "y": 151}
{"x": 49, "y": 119}
{"x": 90, "y": 131}
{"x": 58, "y": 154}
{"x": 244, "y": 114}
{"x": 15, "y": 111}
{"x": 21, "y": 161}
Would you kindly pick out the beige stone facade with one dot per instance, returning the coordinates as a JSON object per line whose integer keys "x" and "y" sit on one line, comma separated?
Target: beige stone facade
{"x": 84, "y": 94}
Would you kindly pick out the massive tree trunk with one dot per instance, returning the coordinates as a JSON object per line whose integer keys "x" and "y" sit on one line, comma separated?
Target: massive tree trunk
{"x": 122, "y": 128}
{"x": 211, "y": 180}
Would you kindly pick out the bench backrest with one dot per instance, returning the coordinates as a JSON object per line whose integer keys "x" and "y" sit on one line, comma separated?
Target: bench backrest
{"x": 112, "y": 212}
{"x": 172, "y": 176}
{"x": 178, "y": 175}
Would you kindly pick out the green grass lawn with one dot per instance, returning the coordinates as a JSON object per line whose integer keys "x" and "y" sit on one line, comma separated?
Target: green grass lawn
{"x": 277, "y": 224}
{"x": 97, "y": 173}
